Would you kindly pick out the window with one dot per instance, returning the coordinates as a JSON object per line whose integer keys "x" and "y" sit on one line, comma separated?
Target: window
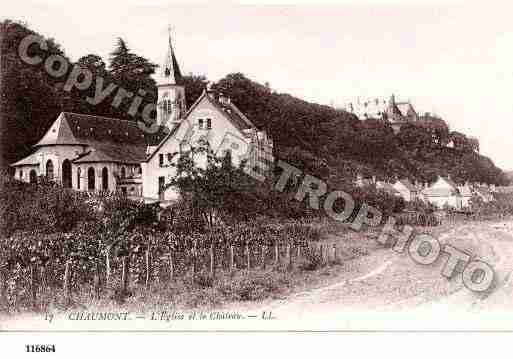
{"x": 161, "y": 187}
{"x": 209, "y": 123}
{"x": 49, "y": 169}
{"x": 200, "y": 123}
{"x": 123, "y": 172}
{"x": 90, "y": 179}
{"x": 21, "y": 174}
{"x": 33, "y": 176}
{"x": 169, "y": 157}
{"x": 161, "y": 159}
{"x": 123, "y": 190}
{"x": 78, "y": 177}
{"x": 169, "y": 106}
{"x": 105, "y": 179}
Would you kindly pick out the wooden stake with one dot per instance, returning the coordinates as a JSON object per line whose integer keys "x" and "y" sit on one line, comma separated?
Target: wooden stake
{"x": 321, "y": 253}
{"x": 171, "y": 266}
{"x": 276, "y": 253}
{"x": 231, "y": 258}
{"x": 289, "y": 257}
{"x": 248, "y": 257}
{"x": 107, "y": 267}
{"x": 3, "y": 281}
{"x": 33, "y": 285}
{"x": 194, "y": 254}
{"x": 148, "y": 268}
{"x": 263, "y": 251}
{"x": 124, "y": 276}
{"x": 212, "y": 261}
{"x": 67, "y": 284}
{"x": 96, "y": 282}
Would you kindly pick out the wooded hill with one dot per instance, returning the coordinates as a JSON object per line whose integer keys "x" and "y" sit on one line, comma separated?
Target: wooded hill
{"x": 320, "y": 140}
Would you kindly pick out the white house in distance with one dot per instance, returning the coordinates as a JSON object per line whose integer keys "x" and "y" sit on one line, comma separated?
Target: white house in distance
{"x": 443, "y": 192}
{"x": 406, "y": 189}
{"x": 93, "y": 153}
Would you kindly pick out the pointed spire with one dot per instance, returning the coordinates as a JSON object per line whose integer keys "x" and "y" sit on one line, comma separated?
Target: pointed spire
{"x": 170, "y": 71}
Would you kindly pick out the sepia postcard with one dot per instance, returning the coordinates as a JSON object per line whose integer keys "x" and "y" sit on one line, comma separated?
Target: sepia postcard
{"x": 255, "y": 168}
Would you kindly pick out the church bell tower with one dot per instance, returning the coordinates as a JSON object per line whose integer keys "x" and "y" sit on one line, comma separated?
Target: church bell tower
{"x": 171, "y": 91}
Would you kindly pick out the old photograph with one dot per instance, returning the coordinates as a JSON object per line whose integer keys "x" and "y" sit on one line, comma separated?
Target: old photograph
{"x": 333, "y": 168}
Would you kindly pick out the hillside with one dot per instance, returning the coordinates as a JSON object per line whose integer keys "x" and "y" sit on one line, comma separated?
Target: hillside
{"x": 322, "y": 141}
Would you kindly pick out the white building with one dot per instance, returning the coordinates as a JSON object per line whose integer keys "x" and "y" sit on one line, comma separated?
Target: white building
{"x": 93, "y": 153}
{"x": 444, "y": 192}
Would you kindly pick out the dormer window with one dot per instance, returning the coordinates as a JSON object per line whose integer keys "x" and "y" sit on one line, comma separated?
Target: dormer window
{"x": 200, "y": 123}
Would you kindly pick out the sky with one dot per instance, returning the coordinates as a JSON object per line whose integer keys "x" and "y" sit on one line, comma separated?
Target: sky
{"x": 453, "y": 59}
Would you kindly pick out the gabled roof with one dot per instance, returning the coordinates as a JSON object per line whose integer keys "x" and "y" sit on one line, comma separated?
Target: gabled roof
{"x": 108, "y": 139}
{"x": 406, "y": 109}
{"x": 406, "y": 183}
{"x": 113, "y": 152}
{"x": 450, "y": 182}
{"x": 79, "y": 129}
{"x": 228, "y": 109}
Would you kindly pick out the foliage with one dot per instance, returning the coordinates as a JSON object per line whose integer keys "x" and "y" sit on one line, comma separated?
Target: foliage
{"x": 44, "y": 207}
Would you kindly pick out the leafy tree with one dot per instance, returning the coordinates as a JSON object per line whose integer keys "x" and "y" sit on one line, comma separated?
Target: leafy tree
{"x": 133, "y": 73}
{"x": 194, "y": 86}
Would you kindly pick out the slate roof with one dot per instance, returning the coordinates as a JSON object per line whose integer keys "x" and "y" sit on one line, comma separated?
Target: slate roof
{"x": 27, "y": 161}
{"x": 107, "y": 139}
{"x": 228, "y": 108}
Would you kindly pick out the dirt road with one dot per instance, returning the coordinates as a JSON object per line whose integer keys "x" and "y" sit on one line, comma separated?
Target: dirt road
{"x": 399, "y": 294}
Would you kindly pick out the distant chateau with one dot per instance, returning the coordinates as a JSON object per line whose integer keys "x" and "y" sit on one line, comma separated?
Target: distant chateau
{"x": 397, "y": 113}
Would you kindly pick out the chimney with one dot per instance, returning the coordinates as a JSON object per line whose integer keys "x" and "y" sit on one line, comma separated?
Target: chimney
{"x": 224, "y": 100}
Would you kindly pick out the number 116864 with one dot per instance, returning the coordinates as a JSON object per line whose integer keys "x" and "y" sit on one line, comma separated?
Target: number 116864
{"x": 49, "y": 348}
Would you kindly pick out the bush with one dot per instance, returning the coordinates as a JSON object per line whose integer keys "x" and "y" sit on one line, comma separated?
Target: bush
{"x": 44, "y": 207}
{"x": 252, "y": 287}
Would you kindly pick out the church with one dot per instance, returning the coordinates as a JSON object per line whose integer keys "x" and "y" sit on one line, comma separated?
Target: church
{"x": 95, "y": 153}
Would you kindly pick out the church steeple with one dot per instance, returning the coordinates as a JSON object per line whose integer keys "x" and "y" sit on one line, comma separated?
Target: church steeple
{"x": 171, "y": 92}
{"x": 170, "y": 70}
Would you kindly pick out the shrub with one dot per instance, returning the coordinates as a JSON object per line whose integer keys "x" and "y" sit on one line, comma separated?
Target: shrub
{"x": 44, "y": 207}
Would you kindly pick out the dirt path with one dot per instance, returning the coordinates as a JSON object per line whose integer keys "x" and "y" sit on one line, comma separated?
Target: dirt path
{"x": 401, "y": 294}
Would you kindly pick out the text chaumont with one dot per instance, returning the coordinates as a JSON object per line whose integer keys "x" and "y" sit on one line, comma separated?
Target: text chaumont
{"x": 98, "y": 316}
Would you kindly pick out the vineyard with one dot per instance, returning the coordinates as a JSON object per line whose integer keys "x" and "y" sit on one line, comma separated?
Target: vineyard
{"x": 38, "y": 271}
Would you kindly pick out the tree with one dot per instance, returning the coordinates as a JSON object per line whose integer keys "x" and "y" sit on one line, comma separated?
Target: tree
{"x": 194, "y": 86}
{"x": 132, "y": 73}
{"x": 218, "y": 190}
